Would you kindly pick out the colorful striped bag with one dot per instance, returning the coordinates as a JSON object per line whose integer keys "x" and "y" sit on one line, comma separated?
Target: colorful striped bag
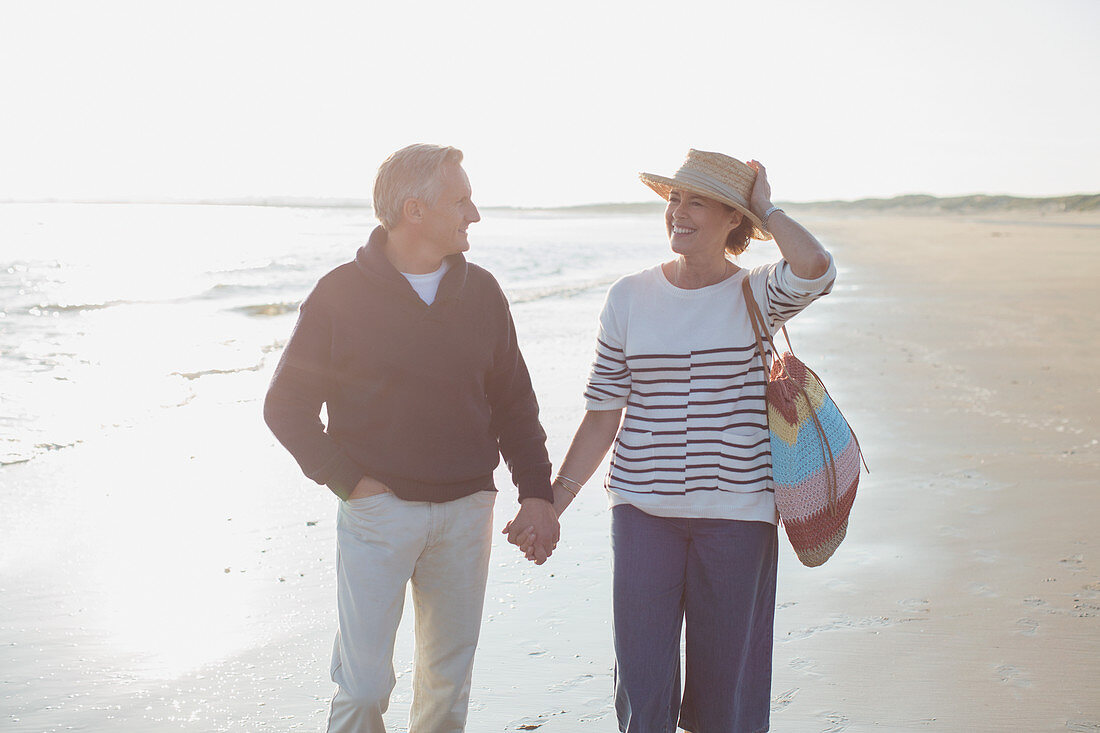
{"x": 815, "y": 454}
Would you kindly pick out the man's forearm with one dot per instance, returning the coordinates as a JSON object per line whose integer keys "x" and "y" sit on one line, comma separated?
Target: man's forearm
{"x": 294, "y": 419}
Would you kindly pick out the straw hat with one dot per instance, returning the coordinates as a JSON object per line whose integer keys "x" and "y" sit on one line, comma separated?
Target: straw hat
{"x": 715, "y": 176}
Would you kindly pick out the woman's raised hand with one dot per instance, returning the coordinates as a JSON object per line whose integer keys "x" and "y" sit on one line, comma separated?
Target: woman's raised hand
{"x": 760, "y": 200}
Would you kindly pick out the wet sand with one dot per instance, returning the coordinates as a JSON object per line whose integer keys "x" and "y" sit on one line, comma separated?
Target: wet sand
{"x": 177, "y": 574}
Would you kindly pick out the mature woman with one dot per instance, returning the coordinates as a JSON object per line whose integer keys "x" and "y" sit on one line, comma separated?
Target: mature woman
{"x": 693, "y": 511}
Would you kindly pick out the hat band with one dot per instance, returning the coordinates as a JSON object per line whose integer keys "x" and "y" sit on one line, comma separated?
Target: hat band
{"x": 705, "y": 182}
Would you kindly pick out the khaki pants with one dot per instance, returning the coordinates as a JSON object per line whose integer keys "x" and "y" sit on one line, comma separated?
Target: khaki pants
{"x": 383, "y": 543}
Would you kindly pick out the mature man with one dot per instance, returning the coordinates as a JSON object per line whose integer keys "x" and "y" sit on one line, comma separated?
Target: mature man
{"x": 414, "y": 354}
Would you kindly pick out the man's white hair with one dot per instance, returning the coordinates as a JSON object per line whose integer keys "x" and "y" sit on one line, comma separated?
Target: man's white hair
{"x": 413, "y": 172}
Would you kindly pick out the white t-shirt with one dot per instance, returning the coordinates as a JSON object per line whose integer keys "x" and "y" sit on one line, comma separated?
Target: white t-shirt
{"x": 427, "y": 284}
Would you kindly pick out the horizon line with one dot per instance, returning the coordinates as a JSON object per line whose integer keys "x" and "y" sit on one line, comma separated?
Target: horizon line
{"x": 338, "y": 202}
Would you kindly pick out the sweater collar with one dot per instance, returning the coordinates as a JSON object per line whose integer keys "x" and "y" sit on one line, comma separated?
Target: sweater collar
{"x": 372, "y": 262}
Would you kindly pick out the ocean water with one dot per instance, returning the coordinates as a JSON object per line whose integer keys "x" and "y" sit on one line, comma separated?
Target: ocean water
{"x": 110, "y": 312}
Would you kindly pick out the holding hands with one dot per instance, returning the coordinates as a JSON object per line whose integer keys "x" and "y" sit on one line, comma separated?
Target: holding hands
{"x": 535, "y": 529}
{"x": 535, "y": 543}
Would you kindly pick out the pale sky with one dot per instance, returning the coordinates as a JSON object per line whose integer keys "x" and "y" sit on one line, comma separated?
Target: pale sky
{"x": 553, "y": 103}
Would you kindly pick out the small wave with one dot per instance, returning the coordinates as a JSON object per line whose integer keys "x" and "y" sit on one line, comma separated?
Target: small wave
{"x": 630, "y": 208}
{"x": 268, "y": 309}
{"x": 207, "y": 372}
{"x": 528, "y": 295}
{"x": 220, "y": 290}
{"x": 76, "y": 307}
{"x": 20, "y": 452}
{"x": 55, "y": 446}
{"x": 274, "y": 346}
{"x": 232, "y": 287}
{"x": 265, "y": 267}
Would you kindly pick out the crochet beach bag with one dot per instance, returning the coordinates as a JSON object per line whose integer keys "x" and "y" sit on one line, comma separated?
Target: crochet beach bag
{"x": 815, "y": 454}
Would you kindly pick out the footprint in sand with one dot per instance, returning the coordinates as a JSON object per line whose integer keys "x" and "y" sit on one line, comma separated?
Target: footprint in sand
{"x": 1083, "y": 726}
{"x": 569, "y": 684}
{"x": 594, "y": 717}
{"x": 980, "y": 589}
{"x": 805, "y": 666}
{"x": 986, "y": 556}
{"x": 834, "y": 723}
{"x": 1014, "y": 676}
{"x": 1074, "y": 563}
{"x": 783, "y": 699}
{"x": 916, "y": 605}
{"x": 1027, "y": 627}
{"x": 843, "y": 622}
{"x": 841, "y": 586}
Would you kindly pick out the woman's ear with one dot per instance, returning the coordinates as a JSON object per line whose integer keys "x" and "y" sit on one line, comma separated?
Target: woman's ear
{"x": 736, "y": 217}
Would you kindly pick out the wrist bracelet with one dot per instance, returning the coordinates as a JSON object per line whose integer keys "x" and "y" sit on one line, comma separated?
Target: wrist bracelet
{"x": 565, "y": 481}
{"x": 568, "y": 480}
{"x": 571, "y": 491}
{"x": 769, "y": 212}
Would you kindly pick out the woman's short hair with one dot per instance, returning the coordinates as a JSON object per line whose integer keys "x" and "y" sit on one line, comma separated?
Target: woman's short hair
{"x": 412, "y": 172}
{"x": 737, "y": 241}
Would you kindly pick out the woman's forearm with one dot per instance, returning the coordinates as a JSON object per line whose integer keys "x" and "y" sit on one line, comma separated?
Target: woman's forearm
{"x": 807, "y": 258}
{"x": 590, "y": 444}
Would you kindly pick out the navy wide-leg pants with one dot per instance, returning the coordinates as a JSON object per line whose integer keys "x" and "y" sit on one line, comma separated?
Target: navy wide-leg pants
{"x": 719, "y": 575}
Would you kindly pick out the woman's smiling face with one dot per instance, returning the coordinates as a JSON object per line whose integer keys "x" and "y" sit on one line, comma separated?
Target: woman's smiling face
{"x": 697, "y": 224}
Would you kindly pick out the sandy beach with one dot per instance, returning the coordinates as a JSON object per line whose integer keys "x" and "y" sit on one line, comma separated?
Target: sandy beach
{"x": 177, "y": 572}
{"x": 968, "y": 598}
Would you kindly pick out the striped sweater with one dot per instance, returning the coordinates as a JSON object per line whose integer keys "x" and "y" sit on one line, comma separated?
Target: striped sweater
{"x": 694, "y": 439}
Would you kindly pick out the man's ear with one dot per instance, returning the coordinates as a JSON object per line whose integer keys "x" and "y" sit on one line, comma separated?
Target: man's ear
{"x": 413, "y": 210}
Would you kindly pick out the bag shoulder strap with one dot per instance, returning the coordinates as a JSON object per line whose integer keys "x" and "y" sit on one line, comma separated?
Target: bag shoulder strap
{"x": 759, "y": 327}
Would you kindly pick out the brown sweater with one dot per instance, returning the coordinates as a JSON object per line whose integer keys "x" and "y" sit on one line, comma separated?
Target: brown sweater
{"x": 423, "y": 398}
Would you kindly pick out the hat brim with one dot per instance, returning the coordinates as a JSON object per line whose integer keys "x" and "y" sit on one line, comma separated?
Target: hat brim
{"x": 663, "y": 186}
